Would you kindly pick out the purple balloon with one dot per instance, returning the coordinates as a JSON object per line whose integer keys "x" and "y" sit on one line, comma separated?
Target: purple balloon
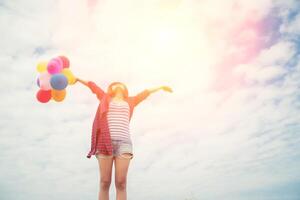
{"x": 38, "y": 82}
{"x": 55, "y": 66}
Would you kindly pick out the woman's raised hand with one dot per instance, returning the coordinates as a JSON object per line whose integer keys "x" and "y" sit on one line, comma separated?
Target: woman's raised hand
{"x": 81, "y": 81}
{"x": 166, "y": 88}
{"x": 76, "y": 80}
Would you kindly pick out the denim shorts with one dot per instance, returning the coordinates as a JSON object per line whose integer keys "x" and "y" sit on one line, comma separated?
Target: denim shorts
{"x": 119, "y": 147}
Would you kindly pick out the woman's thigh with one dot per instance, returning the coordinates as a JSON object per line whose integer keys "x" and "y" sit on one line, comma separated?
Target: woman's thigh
{"x": 121, "y": 167}
{"x": 105, "y": 167}
{"x": 124, "y": 154}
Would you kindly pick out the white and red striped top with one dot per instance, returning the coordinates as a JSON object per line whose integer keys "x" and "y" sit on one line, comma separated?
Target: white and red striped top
{"x": 118, "y": 120}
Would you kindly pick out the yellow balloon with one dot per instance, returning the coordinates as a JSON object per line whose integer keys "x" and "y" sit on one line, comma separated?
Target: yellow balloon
{"x": 42, "y": 66}
{"x": 58, "y": 95}
{"x": 71, "y": 78}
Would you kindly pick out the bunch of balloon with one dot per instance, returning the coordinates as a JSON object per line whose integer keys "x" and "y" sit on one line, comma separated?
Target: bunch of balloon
{"x": 54, "y": 76}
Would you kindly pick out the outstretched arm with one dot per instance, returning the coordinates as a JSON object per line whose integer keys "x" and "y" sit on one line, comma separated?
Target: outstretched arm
{"x": 165, "y": 88}
{"x": 145, "y": 93}
{"x": 94, "y": 87}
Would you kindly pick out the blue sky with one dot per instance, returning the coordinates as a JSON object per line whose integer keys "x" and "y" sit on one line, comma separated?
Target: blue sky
{"x": 229, "y": 131}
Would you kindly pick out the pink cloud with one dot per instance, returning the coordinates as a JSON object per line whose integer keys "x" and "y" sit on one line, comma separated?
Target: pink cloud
{"x": 243, "y": 42}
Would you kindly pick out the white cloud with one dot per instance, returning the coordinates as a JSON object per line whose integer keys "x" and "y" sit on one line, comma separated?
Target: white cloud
{"x": 271, "y": 63}
{"x": 254, "y": 73}
{"x": 279, "y": 53}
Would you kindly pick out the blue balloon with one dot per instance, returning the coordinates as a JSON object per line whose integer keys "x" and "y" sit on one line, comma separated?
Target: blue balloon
{"x": 59, "y": 81}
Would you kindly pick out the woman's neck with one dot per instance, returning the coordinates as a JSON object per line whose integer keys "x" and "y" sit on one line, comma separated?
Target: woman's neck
{"x": 117, "y": 98}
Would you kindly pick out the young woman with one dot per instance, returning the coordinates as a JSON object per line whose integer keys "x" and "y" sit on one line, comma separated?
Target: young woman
{"x": 111, "y": 140}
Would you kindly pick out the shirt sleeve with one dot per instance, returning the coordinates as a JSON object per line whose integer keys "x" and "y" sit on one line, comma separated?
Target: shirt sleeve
{"x": 96, "y": 89}
{"x": 140, "y": 97}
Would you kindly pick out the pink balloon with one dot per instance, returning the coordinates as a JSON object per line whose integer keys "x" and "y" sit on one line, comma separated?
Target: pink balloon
{"x": 60, "y": 61}
{"x": 44, "y": 80}
{"x": 55, "y": 66}
{"x": 65, "y": 61}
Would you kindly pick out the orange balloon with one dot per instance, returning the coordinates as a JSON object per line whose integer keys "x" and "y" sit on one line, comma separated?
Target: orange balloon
{"x": 58, "y": 95}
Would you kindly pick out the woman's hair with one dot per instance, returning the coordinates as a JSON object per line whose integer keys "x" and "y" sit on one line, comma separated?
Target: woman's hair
{"x": 111, "y": 93}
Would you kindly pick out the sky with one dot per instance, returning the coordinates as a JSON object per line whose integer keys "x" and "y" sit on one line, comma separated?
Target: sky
{"x": 230, "y": 130}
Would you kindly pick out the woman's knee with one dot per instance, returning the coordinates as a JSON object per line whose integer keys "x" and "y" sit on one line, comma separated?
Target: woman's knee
{"x": 105, "y": 183}
{"x": 120, "y": 184}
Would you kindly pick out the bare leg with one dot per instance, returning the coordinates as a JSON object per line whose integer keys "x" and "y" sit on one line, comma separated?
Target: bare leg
{"x": 105, "y": 170}
{"x": 121, "y": 169}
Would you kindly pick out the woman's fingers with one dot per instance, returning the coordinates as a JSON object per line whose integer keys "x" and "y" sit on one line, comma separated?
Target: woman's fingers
{"x": 166, "y": 88}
